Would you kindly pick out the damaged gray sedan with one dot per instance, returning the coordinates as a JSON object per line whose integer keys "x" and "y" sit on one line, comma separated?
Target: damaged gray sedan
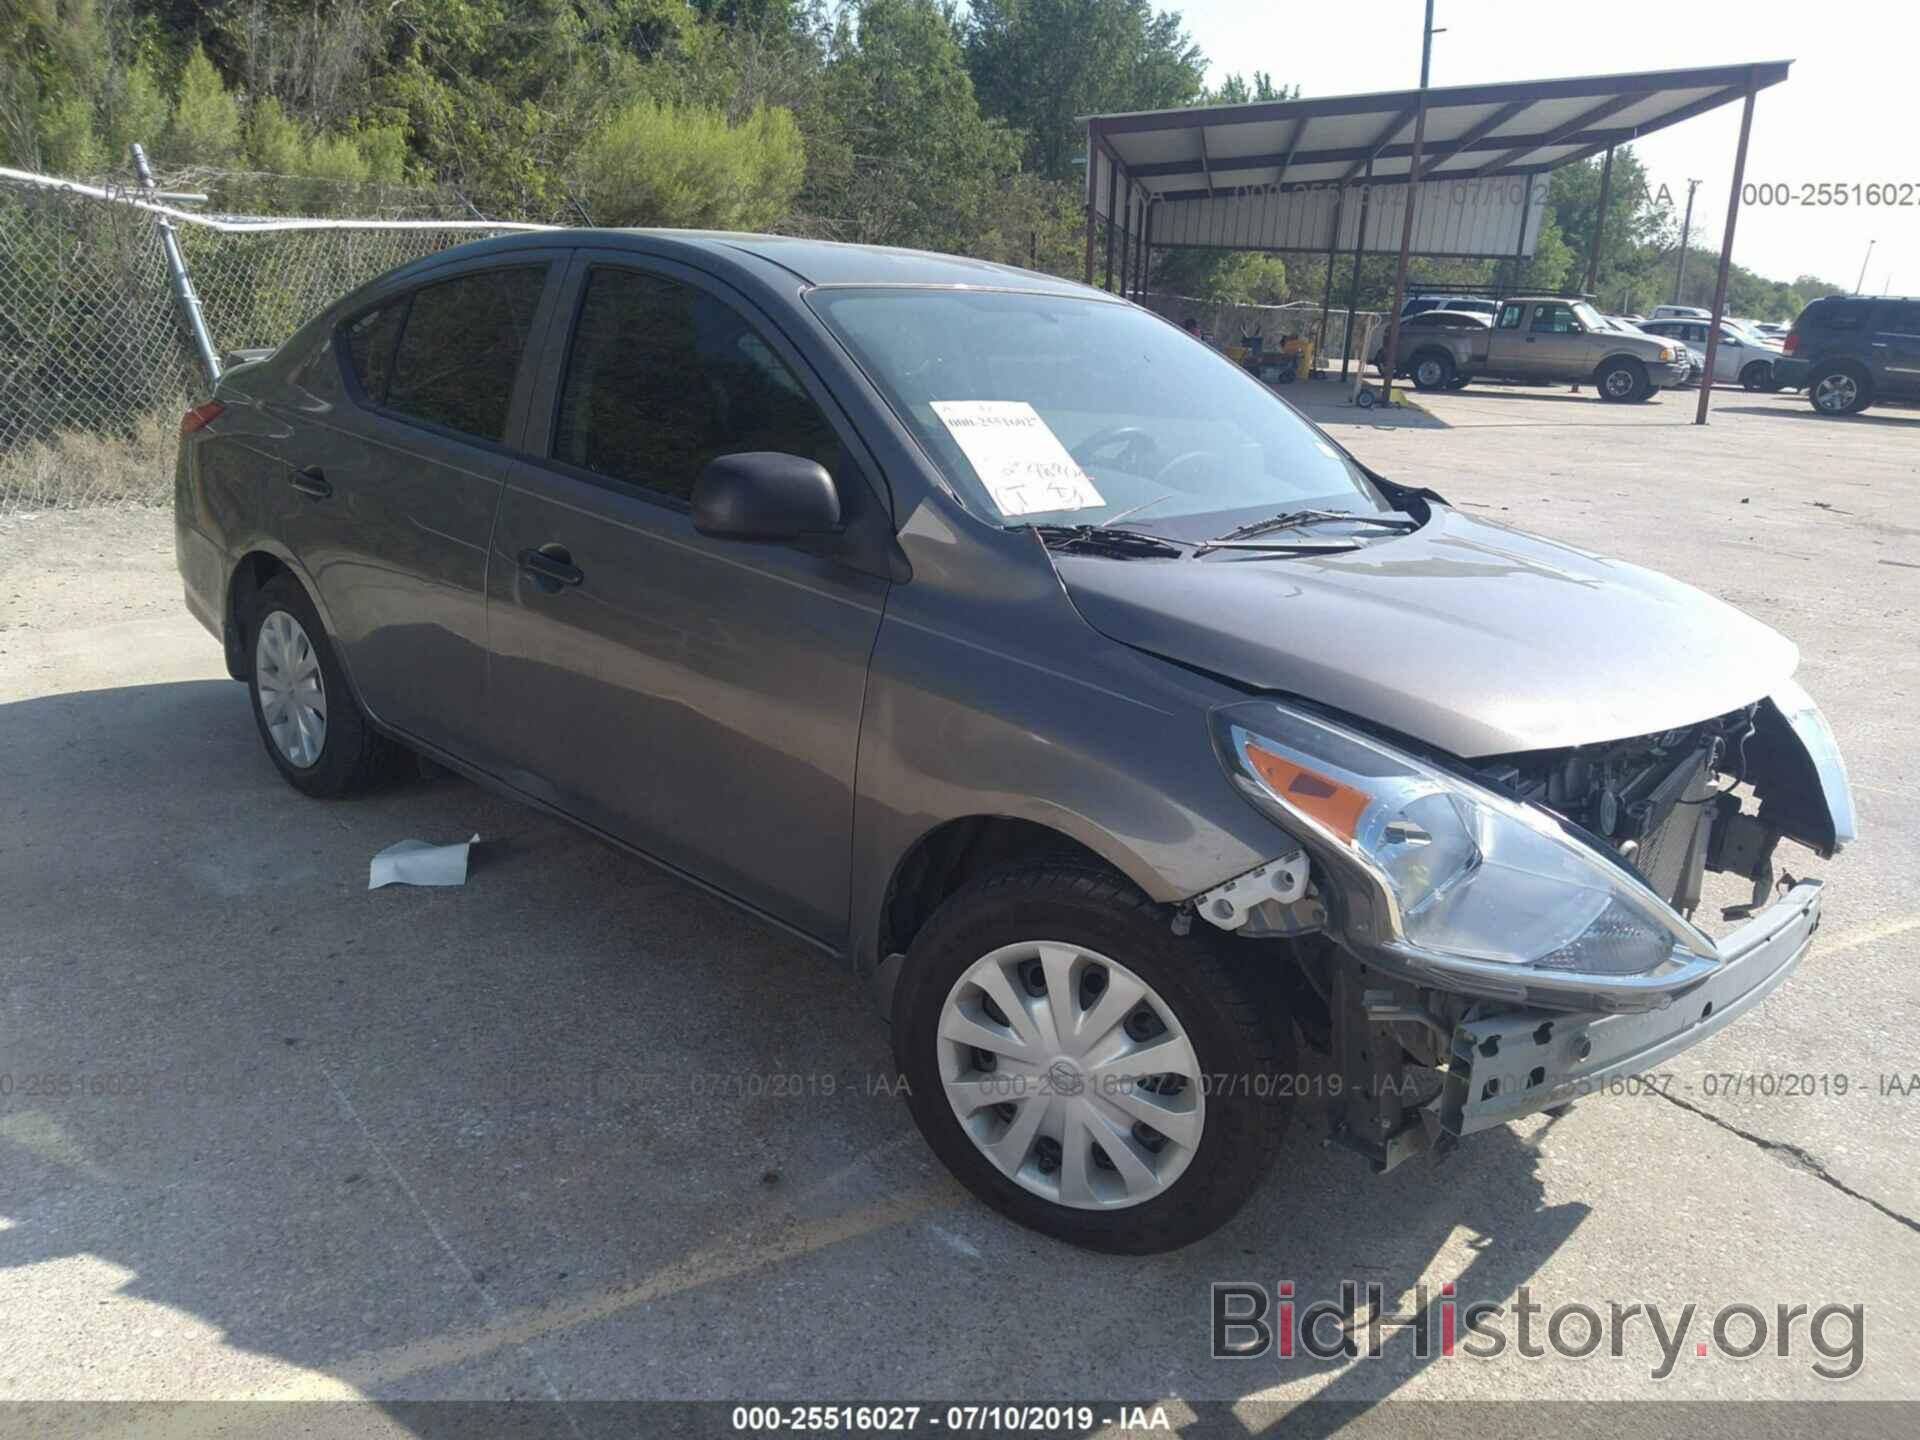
{"x": 1114, "y": 725}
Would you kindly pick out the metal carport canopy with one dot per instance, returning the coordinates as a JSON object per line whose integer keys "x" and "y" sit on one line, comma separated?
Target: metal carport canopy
{"x": 1270, "y": 175}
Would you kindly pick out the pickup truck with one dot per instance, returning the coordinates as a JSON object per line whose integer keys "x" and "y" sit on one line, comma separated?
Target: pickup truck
{"x": 1545, "y": 340}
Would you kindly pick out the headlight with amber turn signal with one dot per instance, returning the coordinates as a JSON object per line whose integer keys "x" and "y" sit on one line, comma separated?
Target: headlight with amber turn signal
{"x": 1449, "y": 879}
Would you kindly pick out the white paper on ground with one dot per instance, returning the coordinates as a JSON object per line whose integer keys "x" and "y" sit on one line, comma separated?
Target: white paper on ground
{"x": 1020, "y": 460}
{"x": 415, "y": 862}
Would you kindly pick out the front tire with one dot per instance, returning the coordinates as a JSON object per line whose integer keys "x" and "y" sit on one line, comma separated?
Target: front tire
{"x": 1084, "y": 1070}
{"x": 308, "y": 719}
{"x": 1621, "y": 380}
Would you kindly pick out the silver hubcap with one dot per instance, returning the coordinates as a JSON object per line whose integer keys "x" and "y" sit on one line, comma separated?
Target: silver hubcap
{"x": 293, "y": 695}
{"x": 1835, "y": 392}
{"x": 1619, "y": 382}
{"x": 1071, "y": 1075}
{"x": 1428, "y": 373}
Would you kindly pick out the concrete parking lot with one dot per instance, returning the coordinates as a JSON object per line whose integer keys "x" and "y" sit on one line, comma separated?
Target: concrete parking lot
{"x": 267, "y": 1134}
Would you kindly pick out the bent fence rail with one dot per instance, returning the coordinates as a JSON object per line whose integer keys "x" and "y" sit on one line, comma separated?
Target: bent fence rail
{"x": 92, "y": 344}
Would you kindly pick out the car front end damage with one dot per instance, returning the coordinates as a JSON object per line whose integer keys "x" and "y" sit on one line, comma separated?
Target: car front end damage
{"x": 1481, "y": 940}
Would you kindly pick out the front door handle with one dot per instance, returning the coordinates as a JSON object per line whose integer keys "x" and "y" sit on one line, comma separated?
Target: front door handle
{"x": 311, "y": 482}
{"x": 551, "y": 567}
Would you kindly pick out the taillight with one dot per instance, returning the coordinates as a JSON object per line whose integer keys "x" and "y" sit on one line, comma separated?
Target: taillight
{"x": 200, "y": 416}
{"x": 1791, "y": 343}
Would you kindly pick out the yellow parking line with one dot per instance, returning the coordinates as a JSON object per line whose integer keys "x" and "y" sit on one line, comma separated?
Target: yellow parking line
{"x": 726, "y": 1261}
{"x": 1867, "y": 934}
{"x": 379, "y": 1369}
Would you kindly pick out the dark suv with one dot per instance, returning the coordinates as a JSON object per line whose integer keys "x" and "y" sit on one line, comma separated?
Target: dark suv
{"x": 1851, "y": 350}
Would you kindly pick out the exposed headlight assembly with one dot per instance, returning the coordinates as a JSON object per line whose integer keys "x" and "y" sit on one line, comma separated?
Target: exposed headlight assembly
{"x": 1453, "y": 882}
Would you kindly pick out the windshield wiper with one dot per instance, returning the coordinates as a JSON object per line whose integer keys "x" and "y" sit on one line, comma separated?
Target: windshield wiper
{"x": 1105, "y": 538}
{"x": 1295, "y": 519}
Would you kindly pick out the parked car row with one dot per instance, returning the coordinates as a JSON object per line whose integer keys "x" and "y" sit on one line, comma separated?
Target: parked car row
{"x": 1446, "y": 341}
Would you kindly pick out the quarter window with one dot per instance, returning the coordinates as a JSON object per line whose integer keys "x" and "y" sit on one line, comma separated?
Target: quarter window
{"x": 1511, "y": 316}
{"x": 1900, "y": 319}
{"x": 460, "y": 349}
{"x": 662, "y": 378}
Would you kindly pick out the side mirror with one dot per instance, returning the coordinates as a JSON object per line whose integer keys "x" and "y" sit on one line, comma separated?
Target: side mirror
{"x": 764, "y": 495}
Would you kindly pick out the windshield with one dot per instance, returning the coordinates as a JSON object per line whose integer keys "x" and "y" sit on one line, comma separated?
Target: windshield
{"x": 1048, "y": 409}
{"x": 1588, "y": 317}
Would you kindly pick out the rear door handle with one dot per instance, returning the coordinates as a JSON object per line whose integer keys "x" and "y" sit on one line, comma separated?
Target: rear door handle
{"x": 311, "y": 482}
{"x": 551, "y": 567}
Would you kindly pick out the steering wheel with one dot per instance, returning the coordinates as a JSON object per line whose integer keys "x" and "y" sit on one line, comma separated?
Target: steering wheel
{"x": 1136, "y": 451}
{"x": 1169, "y": 472}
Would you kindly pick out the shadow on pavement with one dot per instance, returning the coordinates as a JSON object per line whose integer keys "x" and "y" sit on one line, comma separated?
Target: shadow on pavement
{"x": 513, "y": 1140}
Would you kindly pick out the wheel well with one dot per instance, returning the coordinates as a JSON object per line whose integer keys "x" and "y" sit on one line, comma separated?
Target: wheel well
{"x": 950, "y": 855}
{"x": 252, "y": 573}
{"x": 1612, "y": 360}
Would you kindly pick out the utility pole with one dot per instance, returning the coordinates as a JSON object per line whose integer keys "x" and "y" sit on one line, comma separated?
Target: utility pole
{"x": 1426, "y": 47}
{"x": 1686, "y": 237}
{"x": 1861, "y": 283}
{"x": 1391, "y": 355}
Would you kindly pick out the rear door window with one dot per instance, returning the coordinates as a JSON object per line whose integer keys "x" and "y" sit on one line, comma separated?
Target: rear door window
{"x": 460, "y": 349}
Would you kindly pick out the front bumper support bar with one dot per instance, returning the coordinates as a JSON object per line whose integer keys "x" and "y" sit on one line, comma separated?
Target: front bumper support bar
{"x": 1510, "y": 1063}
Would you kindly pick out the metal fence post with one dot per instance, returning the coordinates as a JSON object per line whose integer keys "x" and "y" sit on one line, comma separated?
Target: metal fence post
{"x": 183, "y": 294}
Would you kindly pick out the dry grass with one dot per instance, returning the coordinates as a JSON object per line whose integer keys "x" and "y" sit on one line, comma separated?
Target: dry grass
{"x": 78, "y": 470}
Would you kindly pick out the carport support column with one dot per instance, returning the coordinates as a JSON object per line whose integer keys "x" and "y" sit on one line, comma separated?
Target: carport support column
{"x": 1391, "y": 355}
{"x": 1146, "y": 249}
{"x": 1353, "y": 288}
{"x": 1326, "y": 295}
{"x": 1113, "y": 214}
{"x": 1599, "y": 222}
{"x": 1726, "y": 248}
{"x": 1126, "y": 238}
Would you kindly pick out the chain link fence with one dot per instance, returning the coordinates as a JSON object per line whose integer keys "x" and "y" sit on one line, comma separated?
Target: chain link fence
{"x": 95, "y": 363}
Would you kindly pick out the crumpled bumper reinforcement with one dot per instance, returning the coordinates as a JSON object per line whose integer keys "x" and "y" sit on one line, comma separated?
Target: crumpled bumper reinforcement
{"x": 1510, "y": 1063}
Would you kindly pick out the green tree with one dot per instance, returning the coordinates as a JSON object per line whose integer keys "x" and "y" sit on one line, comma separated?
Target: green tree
{"x": 900, "y": 153}
{"x": 658, "y": 164}
{"x": 274, "y": 141}
{"x": 1235, "y": 89}
{"x": 1041, "y": 64}
{"x": 206, "y": 118}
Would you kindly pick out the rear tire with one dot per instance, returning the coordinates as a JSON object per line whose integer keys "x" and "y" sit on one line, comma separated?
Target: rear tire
{"x": 1032, "y": 937}
{"x": 1758, "y": 375}
{"x": 1432, "y": 370}
{"x": 1839, "y": 390}
{"x": 1621, "y": 380}
{"x": 309, "y": 720}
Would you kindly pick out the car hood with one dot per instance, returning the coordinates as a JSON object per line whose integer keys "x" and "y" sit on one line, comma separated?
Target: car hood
{"x": 1473, "y": 637}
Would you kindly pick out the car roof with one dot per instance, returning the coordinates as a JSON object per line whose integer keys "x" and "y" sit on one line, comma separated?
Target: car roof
{"x": 813, "y": 262}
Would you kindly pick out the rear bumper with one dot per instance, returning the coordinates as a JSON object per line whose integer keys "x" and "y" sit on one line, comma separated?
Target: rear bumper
{"x": 1791, "y": 372}
{"x": 1515, "y": 1062}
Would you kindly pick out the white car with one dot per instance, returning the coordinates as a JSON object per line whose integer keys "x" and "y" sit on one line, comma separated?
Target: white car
{"x": 1740, "y": 359}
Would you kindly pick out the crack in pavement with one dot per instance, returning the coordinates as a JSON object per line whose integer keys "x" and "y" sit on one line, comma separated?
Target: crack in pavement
{"x": 1798, "y": 1157}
